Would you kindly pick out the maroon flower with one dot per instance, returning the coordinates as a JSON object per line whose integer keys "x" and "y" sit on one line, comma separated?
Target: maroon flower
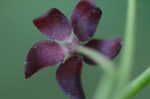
{"x": 64, "y": 37}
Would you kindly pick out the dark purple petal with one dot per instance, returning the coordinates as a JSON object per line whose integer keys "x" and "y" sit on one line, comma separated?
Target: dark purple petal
{"x": 85, "y": 18}
{"x": 68, "y": 76}
{"x": 108, "y": 47}
{"x": 43, "y": 54}
{"x": 54, "y": 25}
{"x": 91, "y": 1}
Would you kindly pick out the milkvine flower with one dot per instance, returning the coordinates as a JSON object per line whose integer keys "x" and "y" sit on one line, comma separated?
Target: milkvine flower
{"x": 64, "y": 37}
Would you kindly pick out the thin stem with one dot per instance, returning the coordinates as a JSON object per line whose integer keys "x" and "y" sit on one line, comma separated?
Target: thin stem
{"x": 128, "y": 52}
{"x": 138, "y": 84}
{"x": 127, "y": 59}
{"x": 104, "y": 88}
{"x": 105, "y": 64}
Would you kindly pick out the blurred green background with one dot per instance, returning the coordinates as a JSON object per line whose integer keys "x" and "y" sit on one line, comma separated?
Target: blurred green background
{"x": 17, "y": 34}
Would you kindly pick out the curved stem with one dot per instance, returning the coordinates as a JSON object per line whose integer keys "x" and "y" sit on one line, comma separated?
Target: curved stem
{"x": 138, "y": 84}
{"x": 105, "y": 87}
{"x": 105, "y": 64}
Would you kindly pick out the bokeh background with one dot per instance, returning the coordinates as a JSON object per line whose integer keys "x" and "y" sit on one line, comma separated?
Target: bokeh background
{"x": 17, "y": 34}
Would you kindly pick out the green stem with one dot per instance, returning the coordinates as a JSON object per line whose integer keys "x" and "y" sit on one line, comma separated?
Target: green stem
{"x": 128, "y": 50}
{"x": 104, "y": 88}
{"x": 138, "y": 84}
{"x": 102, "y": 61}
{"x": 127, "y": 59}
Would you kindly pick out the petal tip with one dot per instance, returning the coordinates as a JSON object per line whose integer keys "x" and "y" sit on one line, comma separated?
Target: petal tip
{"x": 27, "y": 76}
{"x": 54, "y": 25}
{"x": 85, "y": 19}
{"x": 108, "y": 47}
{"x": 41, "y": 55}
{"x": 69, "y": 77}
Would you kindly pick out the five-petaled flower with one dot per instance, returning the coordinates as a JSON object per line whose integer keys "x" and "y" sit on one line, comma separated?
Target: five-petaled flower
{"x": 64, "y": 37}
